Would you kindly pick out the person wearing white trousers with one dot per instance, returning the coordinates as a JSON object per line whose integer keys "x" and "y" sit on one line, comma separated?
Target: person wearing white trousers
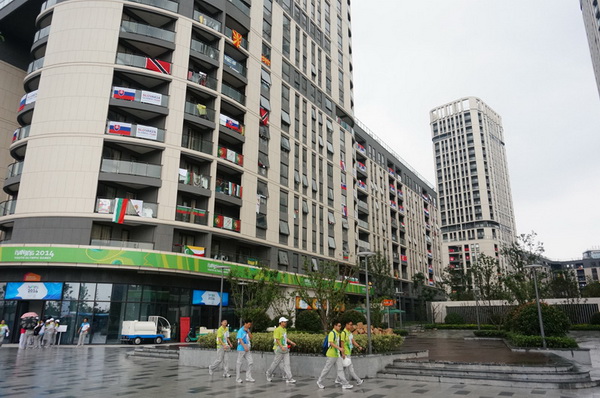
{"x": 335, "y": 354}
{"x": 348, "y": 342}
{"x": 243, "y": 350}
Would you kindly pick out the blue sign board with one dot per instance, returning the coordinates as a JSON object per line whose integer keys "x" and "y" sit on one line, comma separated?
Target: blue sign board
{"x": 33, "y": 291}
{"x": 206, "y": 297}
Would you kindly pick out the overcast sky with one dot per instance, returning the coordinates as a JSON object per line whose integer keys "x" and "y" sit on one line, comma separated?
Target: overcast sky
{"x": 528, "y": 60}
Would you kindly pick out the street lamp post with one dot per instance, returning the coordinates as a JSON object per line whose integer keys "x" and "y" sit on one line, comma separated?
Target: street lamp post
{"x": 399, "y": 298}
{"x": 242, "y": 284}
{"x": 222, "y": 268}
{"x": 366, "y": 255}
{"x": 476, "y": 293}
{"x": 537, "y": 300}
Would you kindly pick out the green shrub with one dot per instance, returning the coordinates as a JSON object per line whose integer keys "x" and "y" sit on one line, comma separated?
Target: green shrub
{"x": 585, "y": 326}
{"x": 381, "y": 343}
{"x": 353, "y": 316}
{"x": 260, "y": 321}
{"x": 454, "y": 319}
{"x": 309, "y": 321}
{"x": 524, "y": 320}
{"x": 595, "y": 319}
{"x": 401, "y": 332}
{"x": 466, "y": 326}
{"x": 490, "y": 333}
{"x": 519, "y": 340}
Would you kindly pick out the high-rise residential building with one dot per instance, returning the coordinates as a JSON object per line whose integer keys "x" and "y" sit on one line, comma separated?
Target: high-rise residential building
{"x": 591, "y": 20}
{"x": 157, "y": 141}
{"x": 475, "y": 200}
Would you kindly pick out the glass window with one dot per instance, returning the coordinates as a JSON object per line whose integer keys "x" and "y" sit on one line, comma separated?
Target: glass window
{"x": 103, "y": 292}
{"x": 119, "y": 292}
{"x": 87, "y": 291}
{"x": 71, "y": 291}
{"x": 331, "y": 242}
{"x": 134, "y": 294}
{"x": 285, "y": 144}
{"x": 284, "y": 229}
{"x": 283, "y": 258}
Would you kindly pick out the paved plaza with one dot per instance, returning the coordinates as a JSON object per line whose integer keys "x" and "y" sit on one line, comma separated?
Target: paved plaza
{"x": 107, "y": 371}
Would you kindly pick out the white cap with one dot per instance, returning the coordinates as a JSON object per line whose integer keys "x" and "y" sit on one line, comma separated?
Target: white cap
{"x": 50, "y": 320}
{"x": 283, "y": 319}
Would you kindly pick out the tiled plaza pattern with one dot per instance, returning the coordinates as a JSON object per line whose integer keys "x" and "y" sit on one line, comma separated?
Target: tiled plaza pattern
{"x": 65, "y": 372}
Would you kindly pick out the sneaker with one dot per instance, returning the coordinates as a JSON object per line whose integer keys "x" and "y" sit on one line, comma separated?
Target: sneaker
{"x": 338, "y": 382}
{"x": 239, "y": 380}
{"x": 290, "y": 381}
{"x": 347, "y": 386}
{"x": 358, "y": 383}
{"x": 210, "y": 371}
{"x": 226, "y": 375}
{"x": 250, "y": 380}
{"x": 320, "y": 385}
{"x": 269, "y": 377}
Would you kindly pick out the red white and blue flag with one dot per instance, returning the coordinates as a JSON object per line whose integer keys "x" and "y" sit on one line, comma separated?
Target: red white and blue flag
{"x": 158, "y": 66}
{"x": 124, "y": 93}
{"x": 119, "y": 128}
{"x": 22, "y": 103}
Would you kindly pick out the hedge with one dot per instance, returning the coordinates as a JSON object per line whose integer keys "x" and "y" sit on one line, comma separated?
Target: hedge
{"x": 519, "y": 340}
{"x": 467, "y": 326}
{"x": 400, "y": 332}
{"x": 490, "y": 333}
{"x": 308, "y": 343}
{"x": 585, "y": 326}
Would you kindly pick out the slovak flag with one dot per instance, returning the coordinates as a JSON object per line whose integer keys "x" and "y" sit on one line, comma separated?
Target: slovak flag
{"x": 233, "y": 124}
{"x": 124, "y": 93}
{"x": 119, "y": 128}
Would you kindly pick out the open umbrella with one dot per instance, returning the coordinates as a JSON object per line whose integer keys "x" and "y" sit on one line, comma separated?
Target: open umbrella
{"x": 29, "y": 315}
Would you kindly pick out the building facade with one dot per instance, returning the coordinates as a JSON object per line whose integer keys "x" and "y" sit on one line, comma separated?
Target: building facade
{"x": 158, "y": 140}
{"x": 586, "y": 269}
{"x": 475, "y": 200}
{"x": 591, "y": 20}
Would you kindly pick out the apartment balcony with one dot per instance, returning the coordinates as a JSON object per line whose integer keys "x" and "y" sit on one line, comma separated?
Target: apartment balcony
{"x": 232, "y": 156}
{"x": 363, "y": 244}
{"x": 456, "y": 249}
{"x": 228, "y": 223}
{"x": 8, "y": 207}
{"x": 199, "y": 114}
{"x": 363, "y": 224}
{"x": 164, "y": 4}
{"x": 207, "y": 21}
{"x": 391, "y": 172}
{"x": 243, "y": 43}
{"x": 401, "y": 209}
{"x": 191, "y": 215}
{"x": 18, "y": 147}
{"x": 363, "y": 206}
{"x": 13, "y": 178}
{"x": 202, "y": 79}
{"x": 402, "y": 227}
{"x": 235, "y": 66}
{"x": 428, "y": 238}
{"x": 393, "y": 205}
{"x": 361, "y": 185}
{"x": 241, "y": 6}
{"x": 14, "y": 169}
{"x": 139, "y": 61}
{"x": 428, "y": 227}
{"x": 126, "y": 95}
{"x": 403, "y": 241}
{"x": 394, "y": 223}
{"x": 135, "y": 131}
{"x": 20, "y": 133}
{"x": 395, "y": 257}
{"x": 233, "y": 93}
{"x": 123, "y": 243}
{"x": 193, "y": 183}
{"x": 205, "y": 51}
{"x": 360, "y": 149}
{"x": 35, "y": 65}
{"x": 404, "y": 258}
{"x": 361, "y": 168}
{"x": 426, "y": 212}
{"x": 137, "y": 208}
{"x": 232, "y": 128}
{"x": 197, "y": 144}
{"x": 392, "y": 188}
{"x": 394, "y": 238}
{"x": 137, "y": 174}
{"x": 228, "y": 191}
{"x": 429, "y": 254}
{"x": 147, "y": 30}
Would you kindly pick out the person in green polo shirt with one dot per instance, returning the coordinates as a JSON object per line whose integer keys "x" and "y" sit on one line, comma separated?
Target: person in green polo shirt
{"x": 348, "y": 342}
{"x": 223, "y": 347}
{"x": 335, "y": 354}
{"x": 282, "y": 352}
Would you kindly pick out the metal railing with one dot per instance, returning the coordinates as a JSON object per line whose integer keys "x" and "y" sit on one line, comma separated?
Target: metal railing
{"x": 147, "y": 30}
{"x": 196, "y": 180}
{"x": 229, "y": 34}
{"x": 201, "y": 112}
{"x": 40, "y": 34}
{"x": 164, "y": 4}
{"x": 8, "y": 207}
{"x": 14, "y": 169}
{"x": 243, "y": 7}
{"x": 122, "y": 243}
{"x": 233, "y": 93}
{"x": 35, "y": 65}
{"x": 205, "y": 49}
{"x": 130, "y": 168}
{"x": 207, "y": 21}
{"x": 21, "y": 133}
{"x": 202, "y": 79}
{"x": 191, "y": 215}
{"x": 197, "y": 144}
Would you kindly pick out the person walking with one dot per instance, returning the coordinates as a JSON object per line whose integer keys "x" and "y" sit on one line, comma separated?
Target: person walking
{"x": 4, "y": 331}
{"x": 223, "y": 347}
{"x": 348, "y": 343}
{"x": 243, "y": 350}
{"x": 335, "y": 354}
{"x": 83, "y": 332}
{"x": 282, "y": 352}
{"x": 38, "y": 333}
{"x": 49, "y": 331}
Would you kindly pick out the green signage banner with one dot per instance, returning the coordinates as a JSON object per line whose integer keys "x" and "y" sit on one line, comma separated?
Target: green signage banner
{"x": 134, "y": 258}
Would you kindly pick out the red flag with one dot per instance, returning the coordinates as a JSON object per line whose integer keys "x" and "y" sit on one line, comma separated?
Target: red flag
{"x": 158, "y": 66}
{"x": 264, "y": 117}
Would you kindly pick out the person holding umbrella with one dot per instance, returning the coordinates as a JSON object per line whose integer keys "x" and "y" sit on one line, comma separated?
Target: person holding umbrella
{"x": 29, "y": 321}
{"x": 4, "y": 331}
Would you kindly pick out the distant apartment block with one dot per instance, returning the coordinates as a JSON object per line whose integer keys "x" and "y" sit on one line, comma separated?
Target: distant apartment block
{"x": 591, "y": 20}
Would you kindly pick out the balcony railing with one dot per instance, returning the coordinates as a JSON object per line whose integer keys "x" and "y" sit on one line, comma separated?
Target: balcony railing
{"x": 232, "y": 156}
{"x": 363, "y": 224}
{"x": 35, "y": 65}
{"x": 147, "y": 30}
{"x": 404, "y": 258}
{"x": 197, "y": 144}
{"x": 139, "y": 61}
{"x": 224, "y": 222}
{"x": 40, "y": 34}
{"x": 135, "y": 130}
{"x": 130, "y": 168}
{"x": 360, "y": 148}
{"x": 191, "y": 215}
{"x": 208, "y": 21}
{"x": 188, "y": 177}
{"x": 228, "y": 188}
{"x": 233, "y": 94}
{"x": 363, "y": 244}
{"x": 8, "y": 207}
{"x": 164, "y": 4}
{"x": 143, "y": 96}
{"x": 202, "y": 79}
{"x": 205, "y": 49}
{"x": 363, "y": 205}
{"x": 200, "y": 111}
{"x": 231, "y": 124}
{"x": 243, "y": 7}
{"x": 46, "y": 4}
{"x": 123, "y": 243}
{"x": 235, "y": 65}
{"x": 135, "y": 207}
{"x": 14, "y": 169}
{"x": 21, "y": 133}
{"x": 243, "y": 42}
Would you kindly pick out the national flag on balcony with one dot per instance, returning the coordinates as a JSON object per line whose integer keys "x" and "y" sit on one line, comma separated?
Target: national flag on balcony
{"x": 124, "y": 93}
{"x": 158, "y": 66}
{"x": 183, "y": 210}
{"x": 236, "y": 37}
{"x": 360, "y": 147}
{"x": 222, "y": 152}
{"x": 218, "y": 221}
{"x": 120, "y": 210}
{"x": 119, "y": 128}
{"x": 393, "y": 204}
{"x": 194, "y": 251}
{"x": 22, "y": 103}
{"x": 264, "y": 117}
{"x": 237, "y": 224}
{"x": 392, "y": 188}
{"x": 343, "y": 165}
{"x": 391, "y": 171}
{"x": 15, "y": 135}
{"x": 344, "y": 187}
{"x": 344, "y": 211}
{"x": 361, "y": 166}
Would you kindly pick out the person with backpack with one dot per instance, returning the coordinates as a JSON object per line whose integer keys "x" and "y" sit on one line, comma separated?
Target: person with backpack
{"x": 335, "y": 354}
{"x": 281, "y": 347}
{"x": 348, "y": 342}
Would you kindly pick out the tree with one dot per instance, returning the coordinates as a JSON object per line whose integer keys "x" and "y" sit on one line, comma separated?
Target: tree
{"x": 382, "y": 284}
{"x": 458, "y": 284}
{"x": 563, "y": 284}
{"x": 324, "y": 287}
{"x": 254, "y": 290}
{"x": 591, "y": 289}
{"x": 423, "y": 293}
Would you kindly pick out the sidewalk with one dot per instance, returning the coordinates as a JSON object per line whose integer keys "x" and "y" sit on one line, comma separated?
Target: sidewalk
{"x": 100, "y": 371}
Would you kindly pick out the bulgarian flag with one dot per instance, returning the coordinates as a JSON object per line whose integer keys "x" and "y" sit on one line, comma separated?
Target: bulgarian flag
{"x": 120, "y": 210}
{"x": 194, "y": 251}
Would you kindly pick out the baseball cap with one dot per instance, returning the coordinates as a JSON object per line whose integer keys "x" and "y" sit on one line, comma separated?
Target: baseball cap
{"x": 283, "y": 319}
